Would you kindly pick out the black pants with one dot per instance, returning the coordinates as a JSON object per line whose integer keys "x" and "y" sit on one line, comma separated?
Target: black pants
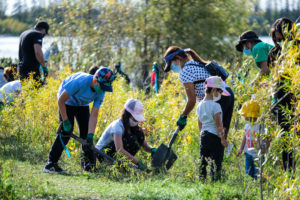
{"x": 82, "y": 115}
{"x": 285, "y": 124}
{"x": 227, "y": 104}
{"x": 211, "y": 149}
{"x": 25, "y": 72}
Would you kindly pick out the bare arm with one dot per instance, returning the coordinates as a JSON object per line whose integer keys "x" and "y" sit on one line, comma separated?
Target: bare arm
{"x": 264, "y": 68}
{"x": 199, "y": 125}
{"x": 146, "y": 146}
{"x": 190, "y": 92}
{"x": 62, "y": 106}
{"x": 242, "y": 146}
{"x": 93, "y": 120}
{"x": 220, "y": 129}
{"x": 119, "y": 147}
{"x": 39, "y": 54}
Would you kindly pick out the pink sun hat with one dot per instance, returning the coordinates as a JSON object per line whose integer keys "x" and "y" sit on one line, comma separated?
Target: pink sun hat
{"x": 135, "y": 108}
{"x": 217, "y": 82}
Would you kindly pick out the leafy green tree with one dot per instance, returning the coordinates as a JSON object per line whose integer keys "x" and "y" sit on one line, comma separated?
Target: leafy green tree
{"x": 138, "y": 32}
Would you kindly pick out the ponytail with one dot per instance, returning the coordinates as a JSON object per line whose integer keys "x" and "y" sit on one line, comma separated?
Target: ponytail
{"x": 125, "y": 120}
{"x": 174, "y": 52}
{"x": 195, "y": 56}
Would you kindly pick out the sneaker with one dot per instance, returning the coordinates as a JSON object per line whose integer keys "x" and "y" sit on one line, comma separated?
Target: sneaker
{"x": 52, "y": 167}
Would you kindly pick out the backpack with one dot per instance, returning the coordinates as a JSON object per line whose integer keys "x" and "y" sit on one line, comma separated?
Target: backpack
{"x": 214, "y": 69}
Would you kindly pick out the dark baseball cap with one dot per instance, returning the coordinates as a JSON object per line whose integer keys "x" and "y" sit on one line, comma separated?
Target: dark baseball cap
{"x": 248, "y": 36}
{"x": 42, "y": 25}
{"x": 170, "y": 57}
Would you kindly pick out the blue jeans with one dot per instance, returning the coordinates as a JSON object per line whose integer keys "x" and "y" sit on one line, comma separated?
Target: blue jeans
{"x": 250, "y": 167}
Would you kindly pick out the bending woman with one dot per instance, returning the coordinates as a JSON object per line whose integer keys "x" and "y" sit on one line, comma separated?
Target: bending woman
{"x": 282, "y": 31}
{"x": 192, "y": 75}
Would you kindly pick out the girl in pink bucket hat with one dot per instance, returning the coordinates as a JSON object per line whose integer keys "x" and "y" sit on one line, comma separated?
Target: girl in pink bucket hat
{"x": 210, "y": 124}
{"x": 125, "y": 136}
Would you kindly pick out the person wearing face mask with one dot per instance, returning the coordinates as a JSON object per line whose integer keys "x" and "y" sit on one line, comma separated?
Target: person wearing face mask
{"x": 125, "y": 136}
{"x": 74, "y": 96}
{"x": 210, "y": 125}
{"x": 251, "y": 45}
{"x": 30, "y": 51}
{"x": 192, "y": 74}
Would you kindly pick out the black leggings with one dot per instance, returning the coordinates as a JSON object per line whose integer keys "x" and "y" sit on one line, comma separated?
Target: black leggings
{"x": 211, "y": 148}
{"x": 82, "y": 115}
{"x": 227, "y": 104}
{"x": 283, "y": 122}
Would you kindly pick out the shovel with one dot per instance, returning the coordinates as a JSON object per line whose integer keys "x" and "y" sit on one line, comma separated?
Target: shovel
{"x": 92, "y": 147}
{"x": 164, "y": 154}
{"x": 84, "y": 142}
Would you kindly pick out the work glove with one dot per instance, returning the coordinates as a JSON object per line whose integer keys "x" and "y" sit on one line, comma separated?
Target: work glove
{"x": 153, "y": 150}
{"x": 67, "y": 126}
{"x": 181, "y": 122}
{"x": 89, "y": 139}
{"x": 46, "y": 71}
{"x": 274, "y": 100}
{"x": 141, "y": 166}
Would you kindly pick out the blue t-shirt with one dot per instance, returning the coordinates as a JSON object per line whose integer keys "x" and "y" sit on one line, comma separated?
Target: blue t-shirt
{"x": 78, "y": 87}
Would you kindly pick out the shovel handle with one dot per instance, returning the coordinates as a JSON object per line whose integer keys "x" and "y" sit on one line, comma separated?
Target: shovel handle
{"x": 173, "y": 137}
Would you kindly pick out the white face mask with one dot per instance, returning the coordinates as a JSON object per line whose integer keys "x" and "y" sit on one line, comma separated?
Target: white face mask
{"x": 217, "y": 98}
{"x": 133, "y": 123}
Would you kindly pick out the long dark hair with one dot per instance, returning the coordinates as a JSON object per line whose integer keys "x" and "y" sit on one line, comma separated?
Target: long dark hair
{"x": 185, "y": 54}
{"x": 280, "y": 25}
{"x": 125, "y": 119}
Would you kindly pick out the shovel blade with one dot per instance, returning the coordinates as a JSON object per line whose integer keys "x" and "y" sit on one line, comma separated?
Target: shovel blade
{"x": 172, "y": 158}
{"x": 160, "y": 156}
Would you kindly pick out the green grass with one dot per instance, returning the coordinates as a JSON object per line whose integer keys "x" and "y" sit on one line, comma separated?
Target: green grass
{"x": 30, "y": 181}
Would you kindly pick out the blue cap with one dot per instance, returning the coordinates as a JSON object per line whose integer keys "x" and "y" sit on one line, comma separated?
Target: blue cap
{"x": 170, "y": 57}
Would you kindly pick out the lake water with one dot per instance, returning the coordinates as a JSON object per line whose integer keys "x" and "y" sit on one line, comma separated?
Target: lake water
{"x": 9, "y": 45}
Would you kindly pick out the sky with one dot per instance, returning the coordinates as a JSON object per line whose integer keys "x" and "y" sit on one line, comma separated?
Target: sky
{"x": 11, "y": 3}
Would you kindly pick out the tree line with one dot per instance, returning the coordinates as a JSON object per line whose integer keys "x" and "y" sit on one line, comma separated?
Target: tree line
{"x": 138, "y": 32}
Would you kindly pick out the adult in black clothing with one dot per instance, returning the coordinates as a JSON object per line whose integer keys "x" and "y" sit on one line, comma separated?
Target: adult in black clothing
{"x": 283, "y": 31}
{"x": 30, "y": 51}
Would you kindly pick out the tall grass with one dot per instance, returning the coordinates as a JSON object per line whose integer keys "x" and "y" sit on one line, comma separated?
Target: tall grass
{"x": 28, "y": 129}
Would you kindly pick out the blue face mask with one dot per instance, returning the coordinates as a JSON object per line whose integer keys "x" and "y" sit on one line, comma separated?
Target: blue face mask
{"x": 247, "y": 52}
{"x": 176, "y": 68}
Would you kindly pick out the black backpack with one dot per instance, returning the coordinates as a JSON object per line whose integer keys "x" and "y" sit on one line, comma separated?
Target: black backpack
{"x": 214, "y": 69}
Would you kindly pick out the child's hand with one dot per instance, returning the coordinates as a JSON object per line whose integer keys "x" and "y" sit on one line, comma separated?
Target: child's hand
{"x": 224, "y": 143}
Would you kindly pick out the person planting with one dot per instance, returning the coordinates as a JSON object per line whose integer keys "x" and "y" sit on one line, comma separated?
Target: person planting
{"x": 210, "y": 125}
{"x": 74, "y": 96}
{"x": 283, "y": 33}
{"x": 125, "y": 136}
{"x": 192, "y": 75}
{"x": 251, "y": 45}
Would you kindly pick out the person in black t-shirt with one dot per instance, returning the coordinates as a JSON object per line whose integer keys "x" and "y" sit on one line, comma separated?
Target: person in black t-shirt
{"x": 30, "y": 51}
